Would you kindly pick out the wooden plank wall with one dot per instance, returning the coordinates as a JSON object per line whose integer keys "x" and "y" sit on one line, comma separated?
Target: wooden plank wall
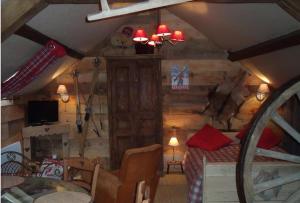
{"x": 182, "y": 108}
{"x": 95, "y": 145}
{"x": 12, "y": 120}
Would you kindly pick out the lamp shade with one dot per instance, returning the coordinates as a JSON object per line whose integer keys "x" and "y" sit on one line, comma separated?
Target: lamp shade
{"x": 62, "y": 89}
{"x": 163, "y": 30}
{"x": 154, "y": 40}
{"x": 173, "y": 141}
{"x": 177, "y": 36}
{"x": 140, "y": 36}
{"x": 263, "y": 88}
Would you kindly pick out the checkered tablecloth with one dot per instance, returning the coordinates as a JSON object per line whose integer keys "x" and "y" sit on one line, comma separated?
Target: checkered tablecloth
{"x": 193, "y": 165}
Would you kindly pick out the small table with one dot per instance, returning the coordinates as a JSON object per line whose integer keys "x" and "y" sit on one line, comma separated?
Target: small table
{"x": 174, "y": 163}
{"x": 34, "y": 187}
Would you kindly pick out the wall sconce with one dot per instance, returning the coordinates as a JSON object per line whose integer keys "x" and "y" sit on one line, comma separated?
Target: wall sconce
{"x": 63, "y": 92}
{"x": 262, "y": 91}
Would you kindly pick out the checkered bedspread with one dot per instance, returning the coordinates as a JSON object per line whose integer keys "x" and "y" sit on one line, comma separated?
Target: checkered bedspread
{"x": 193, "y": 165}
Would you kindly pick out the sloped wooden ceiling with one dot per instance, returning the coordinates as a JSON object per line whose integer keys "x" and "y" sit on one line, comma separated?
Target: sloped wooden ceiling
{"x": 15, "y": 52}
{"x": 66, "y": 23}
{"x": 278, "y": 66}
{"x": 235, "y": 27}
{"x": 232, "y": 26}
{"x": 63, "y": 23}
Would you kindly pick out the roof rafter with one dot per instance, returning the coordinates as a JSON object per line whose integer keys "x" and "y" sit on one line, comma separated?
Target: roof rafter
{"x": 38, "y": 37}
{"x": 282, "y": 42}
{"x": 292, "y": 7}
{"x": 16, "y": 13}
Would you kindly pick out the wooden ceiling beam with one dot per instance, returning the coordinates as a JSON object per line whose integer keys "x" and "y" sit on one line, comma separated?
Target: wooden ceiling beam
{"x": 16, "y": 13}
{"x": 292, "y": 7}
{"x": 38, "y": 37}
{"x": 282, "y": 42}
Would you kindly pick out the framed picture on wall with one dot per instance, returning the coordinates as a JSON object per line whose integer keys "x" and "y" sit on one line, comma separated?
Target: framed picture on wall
{"x": 180, "y": 77}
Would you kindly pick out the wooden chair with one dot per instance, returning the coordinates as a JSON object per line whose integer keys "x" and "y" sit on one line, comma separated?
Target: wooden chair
{"x": 82, "y": 172}
{"x": 16, "y": 164}
{"x": 137, "y": 165}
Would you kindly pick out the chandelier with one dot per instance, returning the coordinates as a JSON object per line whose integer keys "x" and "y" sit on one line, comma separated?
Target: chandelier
{"x": 162, "y": 34}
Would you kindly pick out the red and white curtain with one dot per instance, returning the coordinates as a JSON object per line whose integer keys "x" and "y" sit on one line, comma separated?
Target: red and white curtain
{"x": 32, "y": 68}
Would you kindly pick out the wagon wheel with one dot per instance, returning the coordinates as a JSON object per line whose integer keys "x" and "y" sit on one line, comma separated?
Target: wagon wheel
{"x": 268, "y": 111}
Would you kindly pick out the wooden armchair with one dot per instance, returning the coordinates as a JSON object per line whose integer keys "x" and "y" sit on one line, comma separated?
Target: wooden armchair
{"x": 138, "y": 164}
{"x": 83, "y": 172}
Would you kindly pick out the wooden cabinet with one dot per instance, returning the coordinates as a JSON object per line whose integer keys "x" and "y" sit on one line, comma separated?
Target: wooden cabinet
{"x": 134, "y": 105}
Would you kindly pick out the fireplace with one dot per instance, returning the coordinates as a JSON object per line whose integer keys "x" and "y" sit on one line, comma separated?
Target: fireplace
{"x": 46, "y": 141}
{"x": 47, "y": 146}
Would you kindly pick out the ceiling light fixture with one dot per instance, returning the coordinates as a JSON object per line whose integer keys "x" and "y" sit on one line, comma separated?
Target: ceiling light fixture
{"x": 162, "y": 34}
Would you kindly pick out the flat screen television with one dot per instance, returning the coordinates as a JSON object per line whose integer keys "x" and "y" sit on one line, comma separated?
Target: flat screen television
{"x": 42, "y": 112}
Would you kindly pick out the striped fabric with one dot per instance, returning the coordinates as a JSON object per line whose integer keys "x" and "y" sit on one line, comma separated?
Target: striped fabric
{"x": 30, "y": 70}
{"x": 193, "y": 166}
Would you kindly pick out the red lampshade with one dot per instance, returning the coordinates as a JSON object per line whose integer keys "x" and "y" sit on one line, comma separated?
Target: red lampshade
{"x": 154, "y": 40}
{"x": 163, "y": 30}
{"x": 177, "y": 36}
{"x": 140, "y": 36}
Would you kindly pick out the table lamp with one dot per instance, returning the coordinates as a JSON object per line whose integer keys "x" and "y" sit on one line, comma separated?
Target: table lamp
{"x": 173, "y": 141}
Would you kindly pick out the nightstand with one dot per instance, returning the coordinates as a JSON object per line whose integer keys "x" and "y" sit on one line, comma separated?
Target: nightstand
{"x": 174, "y": 163}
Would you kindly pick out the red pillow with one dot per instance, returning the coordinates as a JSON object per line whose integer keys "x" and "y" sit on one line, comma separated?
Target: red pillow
{"x": 242, "y": 133}
{"x": 268, "y": 139}
{"x": 208, "y": 138}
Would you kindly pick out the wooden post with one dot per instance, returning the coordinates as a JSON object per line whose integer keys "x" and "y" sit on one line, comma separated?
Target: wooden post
{"x": 78, "y": 113}
{"x": 88, "y": 110}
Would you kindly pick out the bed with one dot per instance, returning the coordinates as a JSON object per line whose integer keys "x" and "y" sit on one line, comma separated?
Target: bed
{"x": 211, "y": 175}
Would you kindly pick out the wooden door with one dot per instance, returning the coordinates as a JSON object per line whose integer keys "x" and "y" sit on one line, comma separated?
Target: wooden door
{"x": 134, "y": 105}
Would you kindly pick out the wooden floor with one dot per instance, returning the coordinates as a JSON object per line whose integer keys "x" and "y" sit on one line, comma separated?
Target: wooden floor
{"x": 172, "y": 188}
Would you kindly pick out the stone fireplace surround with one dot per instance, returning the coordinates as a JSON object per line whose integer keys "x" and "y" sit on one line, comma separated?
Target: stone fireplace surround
{"x": 47, "y": 130}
